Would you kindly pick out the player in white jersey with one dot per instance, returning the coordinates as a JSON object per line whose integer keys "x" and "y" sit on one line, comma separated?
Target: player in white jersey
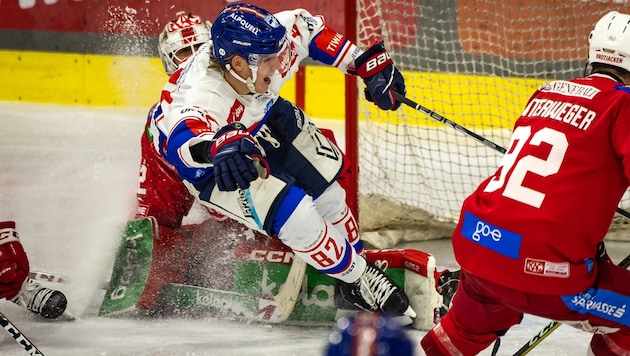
{"x": 258, "y": 158}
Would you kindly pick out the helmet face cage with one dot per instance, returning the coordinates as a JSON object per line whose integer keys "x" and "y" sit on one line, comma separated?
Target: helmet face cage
{"x": 248, "y": 31}
{"x": 609, "y": 42}
{"x": 185, "y": 32}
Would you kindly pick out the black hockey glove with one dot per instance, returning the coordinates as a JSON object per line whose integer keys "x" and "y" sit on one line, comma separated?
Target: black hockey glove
{"x": 381, "y": 77}
{"x": 237, "y": 158}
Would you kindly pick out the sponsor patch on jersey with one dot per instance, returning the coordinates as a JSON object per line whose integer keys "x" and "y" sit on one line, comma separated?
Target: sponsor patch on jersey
{"x": 567, "y": 88}
{"x": 236, "y": 112}
{"x": 546, "y": 268}
{"x": 495, "y": 238}
{"x": 602, "y": 303}
{"x": 330, "y": 42}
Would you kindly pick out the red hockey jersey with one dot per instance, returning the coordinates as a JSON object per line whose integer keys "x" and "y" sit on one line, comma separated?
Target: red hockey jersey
{"x": 535, "y": 224}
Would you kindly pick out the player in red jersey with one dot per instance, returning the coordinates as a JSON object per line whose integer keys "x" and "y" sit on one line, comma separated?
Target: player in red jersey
{"x": 529, "y": 237}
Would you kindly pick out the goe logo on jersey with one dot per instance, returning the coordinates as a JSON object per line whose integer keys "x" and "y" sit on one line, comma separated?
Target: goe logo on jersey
{"x": 495, "y": 238}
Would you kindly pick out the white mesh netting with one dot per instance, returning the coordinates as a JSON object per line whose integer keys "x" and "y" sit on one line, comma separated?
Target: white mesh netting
{"x": 475, "y": 63}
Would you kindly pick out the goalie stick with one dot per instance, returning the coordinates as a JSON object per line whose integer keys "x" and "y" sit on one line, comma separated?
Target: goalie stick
{"x": 288, "y": 294}
{"x": 447, "y": 122}
{"x": 276, "y": 310}
{"x": 552, "y": 326}
{"x": 252, "y": 307}
{"x": 16, "y": 334}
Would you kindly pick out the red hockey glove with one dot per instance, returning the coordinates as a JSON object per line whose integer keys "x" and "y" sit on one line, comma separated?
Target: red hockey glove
{"x": 14, "y": 266}
{"x": 381, "y": 77}
{"x": 237, "y": 158}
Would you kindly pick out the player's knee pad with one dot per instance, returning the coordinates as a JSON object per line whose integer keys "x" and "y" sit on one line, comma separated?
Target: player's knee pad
{"x": 331, "y": 203}
{"x": 301, "y": 226}
{"x": 292, "y": 140}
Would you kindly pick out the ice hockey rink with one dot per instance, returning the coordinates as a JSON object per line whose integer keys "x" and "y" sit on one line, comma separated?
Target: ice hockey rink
{"x": 68, "y": 178}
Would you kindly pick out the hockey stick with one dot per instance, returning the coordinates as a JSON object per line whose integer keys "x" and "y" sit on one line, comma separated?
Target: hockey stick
{"x": 464, "y": 130}
{"x": 285, "y": 300}
{"x": 287, "y": 296}
{"x": 552, "y": 326}
{"x": 26, "y": 344}
{"x": 47, "y": 277}
{"x": 290, "y": 290}
{"x": 249, "y": 306}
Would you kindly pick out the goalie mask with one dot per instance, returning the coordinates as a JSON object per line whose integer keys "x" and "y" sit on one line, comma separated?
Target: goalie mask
{"x": 609, "y": 42}
{"x": 181, "y": 38}
{"x": 252, "y": 33}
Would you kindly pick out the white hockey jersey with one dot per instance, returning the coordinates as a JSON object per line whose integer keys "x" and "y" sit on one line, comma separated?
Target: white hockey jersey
{"x": 197, "y": 101}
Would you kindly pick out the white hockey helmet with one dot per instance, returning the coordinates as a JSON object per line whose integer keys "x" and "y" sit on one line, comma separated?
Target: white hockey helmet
{"x": 609, "y": 42}
{"x": 186, "y": 31}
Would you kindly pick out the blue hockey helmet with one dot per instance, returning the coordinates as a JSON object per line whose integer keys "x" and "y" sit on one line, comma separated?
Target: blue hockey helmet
{"x": 248, "y": 31}
{"x": 370, "y": 334}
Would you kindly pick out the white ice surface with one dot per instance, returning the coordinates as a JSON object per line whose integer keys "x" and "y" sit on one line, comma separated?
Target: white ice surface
{"x": 68, "y": 178}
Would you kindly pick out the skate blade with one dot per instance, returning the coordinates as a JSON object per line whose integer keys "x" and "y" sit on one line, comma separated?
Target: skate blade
{"x": 66, "y": 316}
{"x": 410, "y": 312}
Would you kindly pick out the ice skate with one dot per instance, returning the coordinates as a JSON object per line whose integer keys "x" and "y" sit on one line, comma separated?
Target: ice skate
{"x": 374, "y": 291}
{"x": 447, "y": 286}
{"x": 43, "y": 301}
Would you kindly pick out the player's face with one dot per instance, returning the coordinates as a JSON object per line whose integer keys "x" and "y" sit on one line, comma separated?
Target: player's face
{"x": 269, "y": 65}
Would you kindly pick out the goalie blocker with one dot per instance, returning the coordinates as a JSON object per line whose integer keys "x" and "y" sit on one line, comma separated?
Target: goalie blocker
{"x": 249, "y": 272}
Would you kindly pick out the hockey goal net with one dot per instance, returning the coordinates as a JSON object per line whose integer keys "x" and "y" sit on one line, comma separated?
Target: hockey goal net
{"x": 475, "y": 62}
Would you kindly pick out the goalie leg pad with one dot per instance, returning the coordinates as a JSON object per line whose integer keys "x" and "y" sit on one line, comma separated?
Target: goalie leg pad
{"x": 168, "y": 265}
{"x": 292, "y": 140}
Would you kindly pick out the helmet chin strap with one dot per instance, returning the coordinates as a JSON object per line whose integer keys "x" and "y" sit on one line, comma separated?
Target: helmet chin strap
{"x": 249, "y": 81}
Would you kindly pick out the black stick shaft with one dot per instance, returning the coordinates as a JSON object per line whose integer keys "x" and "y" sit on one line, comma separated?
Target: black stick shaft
{"x": 20, "y": 338}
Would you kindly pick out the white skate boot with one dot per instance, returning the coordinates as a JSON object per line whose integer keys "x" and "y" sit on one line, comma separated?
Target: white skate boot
{"x": 40, "y": 300}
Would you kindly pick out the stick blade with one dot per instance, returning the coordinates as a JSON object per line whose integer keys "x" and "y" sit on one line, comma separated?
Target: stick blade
{"x": 290, "y": 290}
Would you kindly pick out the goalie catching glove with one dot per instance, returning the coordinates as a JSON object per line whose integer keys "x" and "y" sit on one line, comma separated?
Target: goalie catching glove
{"x": 14, "y": 265}
{"x": 381, "y": 77}
{"x": 237, "y": 158}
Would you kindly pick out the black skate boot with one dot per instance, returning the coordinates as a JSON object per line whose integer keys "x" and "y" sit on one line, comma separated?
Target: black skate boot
{"x": 447, "y": 286}
{"x": 374, "y": 291}
{"x": 348, "y": 297}
{"x": 40, "y": 300}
